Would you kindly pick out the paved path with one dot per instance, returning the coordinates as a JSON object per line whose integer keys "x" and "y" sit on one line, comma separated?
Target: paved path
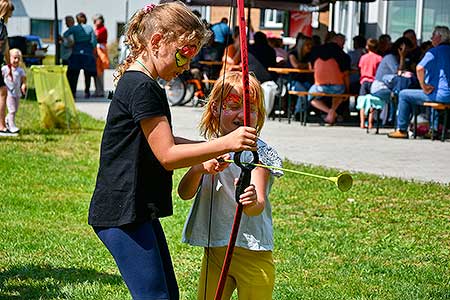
{"x": 344, "y": 148}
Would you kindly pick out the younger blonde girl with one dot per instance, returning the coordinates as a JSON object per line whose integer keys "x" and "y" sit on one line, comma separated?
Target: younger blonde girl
{"x": 15, "y": 80}
{"x": 252, "y": 270}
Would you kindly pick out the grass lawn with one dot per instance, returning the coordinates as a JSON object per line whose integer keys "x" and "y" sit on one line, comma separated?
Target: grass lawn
{"x": 384, "y": 239}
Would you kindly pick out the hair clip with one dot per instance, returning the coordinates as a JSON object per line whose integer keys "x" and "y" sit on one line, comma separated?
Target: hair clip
{"x": 148, "y": 8}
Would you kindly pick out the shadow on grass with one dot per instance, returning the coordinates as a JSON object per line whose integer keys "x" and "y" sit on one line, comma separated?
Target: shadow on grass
{"x": 45, "y": 282}
{"x": 34, "y": 135}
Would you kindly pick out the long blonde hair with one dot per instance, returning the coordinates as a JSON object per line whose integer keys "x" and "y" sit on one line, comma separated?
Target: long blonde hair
{"x": 209, "y": 124}
{"x": 6, "y": 8}
{"x": 173, "y": 20}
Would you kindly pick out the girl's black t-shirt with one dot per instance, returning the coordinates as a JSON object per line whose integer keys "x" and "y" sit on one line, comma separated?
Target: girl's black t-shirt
{"x": 132, "y": 186}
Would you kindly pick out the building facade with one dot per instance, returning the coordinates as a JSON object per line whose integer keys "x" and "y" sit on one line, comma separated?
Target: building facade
{"x": 348, "y": 17}
{"x": 37, "y": 16}
{"x": 391, "y": 17}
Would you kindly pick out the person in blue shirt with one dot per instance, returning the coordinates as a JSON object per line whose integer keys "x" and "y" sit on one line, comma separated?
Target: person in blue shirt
{"x": 82, "y": 57}
{"x": 222, "y": 35}
{"x": 433, "y": 74}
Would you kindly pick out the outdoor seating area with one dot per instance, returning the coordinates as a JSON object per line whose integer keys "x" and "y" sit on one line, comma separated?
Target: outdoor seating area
{"x": 321, "y": 83}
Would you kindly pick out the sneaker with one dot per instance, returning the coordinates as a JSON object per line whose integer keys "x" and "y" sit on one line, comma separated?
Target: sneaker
{"x": 398, "y": 134}
{"x": 13, "y": 129}
{"x": 6, "y": 132}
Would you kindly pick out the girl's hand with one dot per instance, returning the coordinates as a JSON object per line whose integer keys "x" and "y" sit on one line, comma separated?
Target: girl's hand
{"x": 241, "y": 139}
{"x": 402, "y": 50}
{"x": 214, "y": 166}
{"x": 249, "y": 197}
{"x": 23, "y": 88}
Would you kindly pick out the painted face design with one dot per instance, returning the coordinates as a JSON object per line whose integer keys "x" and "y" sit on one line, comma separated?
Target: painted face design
{"x": 183, "y": 55}
{"x": 234, "y": 103}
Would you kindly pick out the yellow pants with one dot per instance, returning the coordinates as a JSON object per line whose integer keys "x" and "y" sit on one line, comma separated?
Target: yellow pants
{"x": 252, "y": 273}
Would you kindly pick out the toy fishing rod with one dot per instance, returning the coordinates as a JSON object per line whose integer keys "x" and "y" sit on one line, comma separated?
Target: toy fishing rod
{"x": 343, "y": 181}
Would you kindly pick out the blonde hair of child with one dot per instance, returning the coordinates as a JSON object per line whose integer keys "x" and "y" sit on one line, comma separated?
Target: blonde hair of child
{"x": 209, "y": 124}
{"x": 15, "y": 51}
{"x": 173, "y": 20}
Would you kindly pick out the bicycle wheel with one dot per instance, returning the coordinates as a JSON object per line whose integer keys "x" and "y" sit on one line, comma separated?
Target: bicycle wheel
{"x": 175, "y": 91}
{"x": 190, "y": 90}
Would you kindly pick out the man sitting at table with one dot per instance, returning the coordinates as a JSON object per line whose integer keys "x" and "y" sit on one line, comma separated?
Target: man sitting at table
{"x": 433, "y": 74}
{"x": 331, "y": 75}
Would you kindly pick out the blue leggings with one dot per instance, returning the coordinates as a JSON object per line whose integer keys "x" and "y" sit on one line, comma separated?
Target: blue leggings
{"x": 143, "y": 258}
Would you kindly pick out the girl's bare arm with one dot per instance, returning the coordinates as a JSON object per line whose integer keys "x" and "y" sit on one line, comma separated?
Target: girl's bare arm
{"x": 260, "y": 179}
{"x": 172, "y": 156}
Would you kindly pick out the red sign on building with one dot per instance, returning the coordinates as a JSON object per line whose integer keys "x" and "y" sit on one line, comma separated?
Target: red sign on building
{"x": 300, "y": 21}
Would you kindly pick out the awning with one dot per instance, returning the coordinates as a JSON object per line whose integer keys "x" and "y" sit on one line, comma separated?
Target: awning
{"x": 19, "y": 9}
{"x": 269, "y": 4}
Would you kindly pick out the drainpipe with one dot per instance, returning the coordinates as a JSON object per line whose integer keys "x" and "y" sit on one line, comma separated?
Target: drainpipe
{"x": 56, "y": 30}
{"x": 419, "y": 19}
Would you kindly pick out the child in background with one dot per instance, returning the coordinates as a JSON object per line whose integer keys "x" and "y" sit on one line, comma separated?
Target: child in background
{"x": 139, "y": 151}
{"x": 252, "y": 270}
{"x": 15, "y": 80}
{"x": 368, "y": 65}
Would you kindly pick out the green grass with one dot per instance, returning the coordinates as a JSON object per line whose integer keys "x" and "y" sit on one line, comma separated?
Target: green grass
{"x": 384, "y": 239}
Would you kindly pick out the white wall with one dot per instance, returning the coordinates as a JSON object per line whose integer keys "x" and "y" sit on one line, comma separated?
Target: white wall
{"x": 18, "y": 26}
{"x": 112, "y": 10}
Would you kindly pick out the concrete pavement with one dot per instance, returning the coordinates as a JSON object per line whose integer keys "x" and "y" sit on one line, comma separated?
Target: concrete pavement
{"x": 344, "y": 148}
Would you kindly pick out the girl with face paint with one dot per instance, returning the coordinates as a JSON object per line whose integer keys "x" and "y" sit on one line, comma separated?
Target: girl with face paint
{"x": 252, "y": 272}
{"x": 139, "y": 151}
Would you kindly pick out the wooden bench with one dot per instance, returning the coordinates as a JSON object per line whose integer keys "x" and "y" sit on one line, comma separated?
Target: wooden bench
{"x": 437, "y": 106}
{"x": 304, "y": 112}
{"x": 210, "y": 81}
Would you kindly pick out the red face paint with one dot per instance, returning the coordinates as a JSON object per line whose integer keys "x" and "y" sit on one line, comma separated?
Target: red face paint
{"x": 189, "y": 51}
{"x": 183, "y": 55}
{"x": 233, "y": 102}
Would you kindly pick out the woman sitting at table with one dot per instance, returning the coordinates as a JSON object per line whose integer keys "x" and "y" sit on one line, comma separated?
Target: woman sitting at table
{"x": 299, "y": 58}
{"x": 232, "y": 53}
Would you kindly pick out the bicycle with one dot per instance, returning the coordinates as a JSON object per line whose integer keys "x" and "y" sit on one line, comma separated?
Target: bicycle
{"x": 186, "y": 88}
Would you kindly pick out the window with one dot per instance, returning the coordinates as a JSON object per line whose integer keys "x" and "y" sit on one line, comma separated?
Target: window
{"x": 44, "y": 29}
{"x": 272, "y": 18}
{"x": 435, "y": 13}
{"x": 401, "y": 16}
{"x": 120, "y": 30}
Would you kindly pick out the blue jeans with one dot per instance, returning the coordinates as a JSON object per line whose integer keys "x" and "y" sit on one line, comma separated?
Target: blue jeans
{"x": 299, "y": 87}
{"x": 326, "y": 88}
{"x": 407, "y": 99}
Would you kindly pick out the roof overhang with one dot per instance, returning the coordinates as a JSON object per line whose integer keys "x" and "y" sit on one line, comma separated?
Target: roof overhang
{"x": 269, "y": 4}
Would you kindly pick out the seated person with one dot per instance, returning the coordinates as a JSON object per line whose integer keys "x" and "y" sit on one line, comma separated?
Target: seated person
{"x": 433, "y": 74}
{"x": 232, "y": 54}
{"x": 300, "y": 58}
{"x": 331, "y": 75}
{"x": 207, "y": 53}
{"x": 391, "y": 65}
{"x": 359, "y": 49}
{"x": 384, "y": 44}
{"x": 277, "y": 44}
{"x": 261, "y": 49}
{"x": 415, "y": 53}
{"x": 368, "y": 65}
{"x": 268, "y": 86}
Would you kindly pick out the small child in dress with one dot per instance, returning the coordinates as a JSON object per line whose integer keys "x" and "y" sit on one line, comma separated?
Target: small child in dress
{"x": 252, "y": 270}
{"x": 15, "y": 80}
{"x": 368, "y": 65}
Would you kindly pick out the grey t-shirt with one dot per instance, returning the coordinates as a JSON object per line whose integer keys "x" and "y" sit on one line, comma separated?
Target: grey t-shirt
{"x": 255, "y": 233}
